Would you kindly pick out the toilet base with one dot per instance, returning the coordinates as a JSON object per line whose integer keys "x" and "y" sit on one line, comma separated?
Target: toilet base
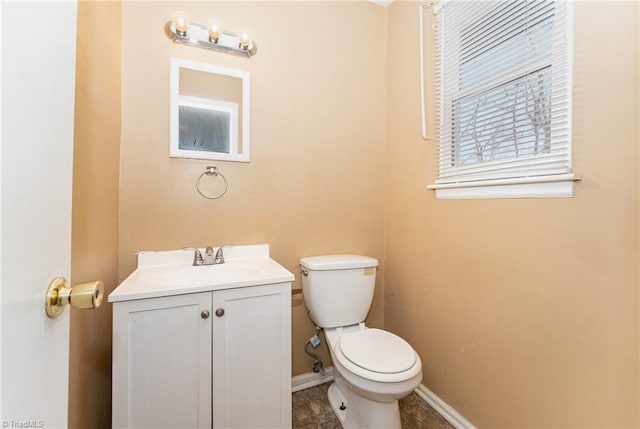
{"x": 360, "y": 412}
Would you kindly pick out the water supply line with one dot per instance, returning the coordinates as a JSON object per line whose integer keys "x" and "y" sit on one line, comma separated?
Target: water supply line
{"x": 314, "y": 342}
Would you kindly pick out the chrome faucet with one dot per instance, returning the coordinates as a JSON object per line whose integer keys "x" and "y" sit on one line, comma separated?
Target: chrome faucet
{"x": 209, "y": 258}
{"x": 219, "y": 258}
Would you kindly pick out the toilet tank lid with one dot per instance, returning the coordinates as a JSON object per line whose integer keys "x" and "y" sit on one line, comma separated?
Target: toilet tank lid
{"x": 338, "y": 262}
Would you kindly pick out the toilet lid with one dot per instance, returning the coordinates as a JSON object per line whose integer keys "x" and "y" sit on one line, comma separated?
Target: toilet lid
{"x": 377, "y": 350}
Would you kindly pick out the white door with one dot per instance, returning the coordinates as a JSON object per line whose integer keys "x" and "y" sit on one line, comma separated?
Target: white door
{"x": 38, "y": 84}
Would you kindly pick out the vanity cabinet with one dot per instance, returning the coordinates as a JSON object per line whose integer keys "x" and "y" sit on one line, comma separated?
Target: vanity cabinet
{"x": 218, "y": 359}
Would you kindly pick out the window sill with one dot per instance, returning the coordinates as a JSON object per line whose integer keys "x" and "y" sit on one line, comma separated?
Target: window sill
{"x": 554, "y": 186}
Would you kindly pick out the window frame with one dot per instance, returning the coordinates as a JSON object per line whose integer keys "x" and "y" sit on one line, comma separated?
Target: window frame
{"x": 556, "y": 184}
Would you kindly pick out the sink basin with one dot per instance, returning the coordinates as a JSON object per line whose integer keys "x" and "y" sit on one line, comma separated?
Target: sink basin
{"x": 206, "y": 275}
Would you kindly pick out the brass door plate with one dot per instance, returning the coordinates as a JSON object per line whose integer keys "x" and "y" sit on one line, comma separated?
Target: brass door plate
{"x": 53, "y": 303}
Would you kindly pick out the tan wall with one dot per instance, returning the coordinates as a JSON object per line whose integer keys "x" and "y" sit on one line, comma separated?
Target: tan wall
{"x": 315, "y": 183}
{"x": 525, "y": 312}
{"x": 94, "y": 250}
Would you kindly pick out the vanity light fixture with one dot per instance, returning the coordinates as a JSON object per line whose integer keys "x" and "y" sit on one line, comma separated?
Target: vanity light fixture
{"x": 180, "y": 30}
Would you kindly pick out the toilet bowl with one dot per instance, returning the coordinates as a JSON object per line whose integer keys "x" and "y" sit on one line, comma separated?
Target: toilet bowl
{"x": 373, "y": 368}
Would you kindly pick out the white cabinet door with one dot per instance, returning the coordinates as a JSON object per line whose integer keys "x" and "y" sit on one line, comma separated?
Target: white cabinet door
{"x": 162, "y": 362}
{"x": 252, "y": 357}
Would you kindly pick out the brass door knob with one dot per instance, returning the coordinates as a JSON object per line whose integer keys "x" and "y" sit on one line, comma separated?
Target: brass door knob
{"x": 83, "y": 295}
{"x": 220, "y": 312}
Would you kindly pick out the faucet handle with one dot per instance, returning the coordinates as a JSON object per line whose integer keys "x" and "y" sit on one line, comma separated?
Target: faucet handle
{"x": 197, "y": 255}
{"x": 219, "y": 258}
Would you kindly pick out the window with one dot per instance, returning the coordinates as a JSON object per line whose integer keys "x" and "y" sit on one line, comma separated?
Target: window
{"x": 505, "y": 81}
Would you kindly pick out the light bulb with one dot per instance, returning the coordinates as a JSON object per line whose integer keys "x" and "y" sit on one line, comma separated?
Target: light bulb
{"x": 244, "y": 40}
{"x": 214, "y": 31}
{"x": 181, "y": 22}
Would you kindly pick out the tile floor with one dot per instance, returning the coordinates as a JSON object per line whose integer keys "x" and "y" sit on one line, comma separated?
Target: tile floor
{"x": 311, "y": 410}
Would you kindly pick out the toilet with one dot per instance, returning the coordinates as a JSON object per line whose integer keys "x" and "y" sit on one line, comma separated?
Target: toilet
{"x": 373, "y": 368}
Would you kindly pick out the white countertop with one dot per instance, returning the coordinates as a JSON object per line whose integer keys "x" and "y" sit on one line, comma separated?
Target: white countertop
{"x": 171, "y": 273}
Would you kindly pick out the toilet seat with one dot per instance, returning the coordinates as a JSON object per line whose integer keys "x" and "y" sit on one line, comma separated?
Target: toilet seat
{"x": 379, "y": 351}
{"x": 377, "y": 355}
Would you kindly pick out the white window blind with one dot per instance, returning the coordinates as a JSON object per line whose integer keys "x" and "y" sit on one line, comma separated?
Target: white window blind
{"x": 505, "y": 87}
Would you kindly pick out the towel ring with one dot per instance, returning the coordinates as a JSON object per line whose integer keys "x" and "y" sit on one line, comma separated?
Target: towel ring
{"x": 211, "y": 171}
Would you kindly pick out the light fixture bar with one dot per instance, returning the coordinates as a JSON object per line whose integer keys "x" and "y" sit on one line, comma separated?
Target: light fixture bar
{"x": 198, "y": 35}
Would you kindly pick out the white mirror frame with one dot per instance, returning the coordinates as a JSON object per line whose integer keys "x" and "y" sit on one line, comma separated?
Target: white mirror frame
{"x": 174, "y": 148}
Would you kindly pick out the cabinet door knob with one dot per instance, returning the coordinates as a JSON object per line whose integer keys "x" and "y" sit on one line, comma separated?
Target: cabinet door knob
{"x": 220, "y": 312}
{"x": 205, "y": 314}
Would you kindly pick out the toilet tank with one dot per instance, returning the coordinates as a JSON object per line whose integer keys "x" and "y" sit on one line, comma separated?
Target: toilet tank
{"x": 338, "y": 289}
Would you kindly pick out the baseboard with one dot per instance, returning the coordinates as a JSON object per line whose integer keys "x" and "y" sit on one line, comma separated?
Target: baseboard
{"x": 445, "y": 410}
{"x": 310, "y": 379}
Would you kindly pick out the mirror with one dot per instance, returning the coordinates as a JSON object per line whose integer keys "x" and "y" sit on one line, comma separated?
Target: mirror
{"x": 209, "y": 112}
